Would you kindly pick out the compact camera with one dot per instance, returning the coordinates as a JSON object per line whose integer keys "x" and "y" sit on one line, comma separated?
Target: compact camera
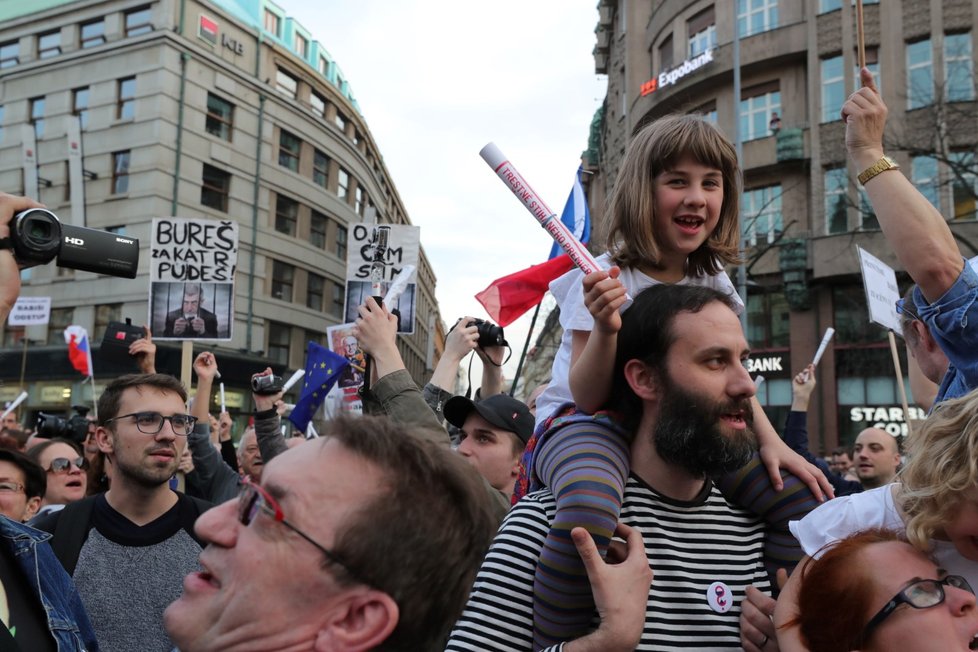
{"x": 38, "y": 237}
{"x": 489, "y": 333}
{"x": 267, "y": 385}
{"x": 74, "y": 428}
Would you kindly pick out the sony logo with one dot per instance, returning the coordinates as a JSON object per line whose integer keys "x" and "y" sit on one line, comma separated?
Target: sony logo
{"x": 123, "y": 240}
{"x": 75, "y": 241}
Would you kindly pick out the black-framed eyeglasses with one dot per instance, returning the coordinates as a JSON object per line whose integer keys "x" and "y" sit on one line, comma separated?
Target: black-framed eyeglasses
{"x": 63, "y": 464}
{"x": 253, "y": 498}
{"x": 904, "y": 308}
{"x": 921, "y": 594}
{"x": 150, "y": 423}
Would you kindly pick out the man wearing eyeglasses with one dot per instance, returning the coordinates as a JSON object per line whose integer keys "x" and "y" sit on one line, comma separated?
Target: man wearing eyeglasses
{"x": 129, "y": 548}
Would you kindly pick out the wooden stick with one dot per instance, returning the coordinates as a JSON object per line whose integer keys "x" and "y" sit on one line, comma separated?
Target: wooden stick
{"x": 903, "y": 389}
{"x": 860, "y": 36}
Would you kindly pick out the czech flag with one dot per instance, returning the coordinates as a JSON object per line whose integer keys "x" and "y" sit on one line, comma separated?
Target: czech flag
{"x": 79, "y": 350}
{"x": 507, "y": 298}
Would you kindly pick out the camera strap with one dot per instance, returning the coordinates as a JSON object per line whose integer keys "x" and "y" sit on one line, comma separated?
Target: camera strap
{"x": 6, "y": 243}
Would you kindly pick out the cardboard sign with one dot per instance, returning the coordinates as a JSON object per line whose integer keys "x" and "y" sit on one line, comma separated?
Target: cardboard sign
{"x": 377, "y": 254}
{"x": 882, "y": 292}
{"x": 192, "y": 267}
{"x": 345, "y": 394}
{"x": 30, "y": 311}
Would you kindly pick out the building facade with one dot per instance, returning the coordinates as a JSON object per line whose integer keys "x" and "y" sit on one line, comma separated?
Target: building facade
{"x": 802, "y": 211}
{"x": 223, "y": 109}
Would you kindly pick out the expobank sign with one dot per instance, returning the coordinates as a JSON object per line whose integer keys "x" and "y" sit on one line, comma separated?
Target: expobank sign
{"x": 672, "y": 76}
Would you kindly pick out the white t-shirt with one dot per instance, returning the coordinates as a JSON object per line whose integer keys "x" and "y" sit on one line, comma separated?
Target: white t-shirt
{"x": 574, "y": 316}
{"x": 836, "y": 519}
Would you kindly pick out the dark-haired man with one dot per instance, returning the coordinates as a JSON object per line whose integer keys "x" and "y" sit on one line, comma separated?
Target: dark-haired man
{"x": 129, "y": 548}
{"x": 683, "y": 393}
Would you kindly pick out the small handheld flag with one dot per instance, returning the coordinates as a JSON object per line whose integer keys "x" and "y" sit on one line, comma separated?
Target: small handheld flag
{"x": 79, "y": 350}
{"x": 323, "y": 369}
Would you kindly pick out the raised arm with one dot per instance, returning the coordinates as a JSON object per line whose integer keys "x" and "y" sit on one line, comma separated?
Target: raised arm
{"x": 9, "y": 270}
{"x": 917, "y": 232}
{"x": 593, "y": 354}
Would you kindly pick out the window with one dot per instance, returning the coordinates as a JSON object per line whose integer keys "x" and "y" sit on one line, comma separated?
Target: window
{"x": 761, "y": 215}
{"x": 964, "y": 184}
{"x": 320, "y": 169}
{"x": 340, "y": 121}
{"x": 339, "y": 299}
{"x": 93, "y": 33}
{"x": 923, "y": 174}
{"x": 220, "y": 117}
{"x": 9, "y": 54}
{"x": 126, "y": 105}
{"x": 358, "y": 201}
{"x": 833, "y": 88}
{"x": 324, "y": 66}
{"x": 79, "y": 105}
{"x": 59, "y": 320}
{"x": 37, "y": 116}
{"x": 318, "y": 104}
{"x": 279, "y": 336}
{"x": 301, "y": 46}
{"x": 920, "y": 74}
{"x": 318, "y": 225}
{"x": 289, "y": 147}
{"x": 872, "y": 62}
{"x": 708, "y": 111}
{"x": 825, "y": 6}
{"x": 755, "y": 16}
{"x": 756, "y": 106}
{"x": 138, "y": 21}
{"x": 273, "y": 23}
{"x": 343, "y": 185}
{"x": 768, "y": 320}
{"x": 867, "y": 216}
{"x": 282, "y": 279}
{"x": 959, "y": 83}
{"x": 104, "y": 314}
{"x": 836, "y": 210}
{"x": 341, "y": 240}
{"x": 49, "y": 45}
{"x": 286, "y": 215}
{"x": 665, "y": 54}
{"x": 215, "y": 188}
{"x": 286, "y": 83}
{"x": 120, "y": 172}
{"x": 314, "y": 292}
{"x": 702, "y": 31}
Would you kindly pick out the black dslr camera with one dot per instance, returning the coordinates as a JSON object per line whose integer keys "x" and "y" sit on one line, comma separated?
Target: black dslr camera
{"x": 489, "y": 333}
{"x": 37, "y": 237}
{"x": 267, "y": 385}
{"x": 74, "y": 428}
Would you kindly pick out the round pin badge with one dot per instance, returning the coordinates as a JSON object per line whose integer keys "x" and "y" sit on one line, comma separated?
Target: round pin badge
{"x": 719, "y": 597}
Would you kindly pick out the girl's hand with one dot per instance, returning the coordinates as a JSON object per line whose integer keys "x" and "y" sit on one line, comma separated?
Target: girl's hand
{"x": 777, "y": 455}
{"x": 604, "y": 294}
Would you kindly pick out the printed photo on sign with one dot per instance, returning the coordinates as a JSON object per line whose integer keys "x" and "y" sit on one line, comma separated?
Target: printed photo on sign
{"x": 346, "y": 392}
{"x": 184, "y": 311}
{"x": 358, "y": 291}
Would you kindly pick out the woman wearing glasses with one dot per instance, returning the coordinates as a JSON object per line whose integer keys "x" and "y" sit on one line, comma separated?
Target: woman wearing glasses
{"x": 875, "y": 592}
{"x": 66, "y": 469}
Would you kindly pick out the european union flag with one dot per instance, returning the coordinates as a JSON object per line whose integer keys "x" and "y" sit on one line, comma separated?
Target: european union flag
{"x": 323, "y": 368}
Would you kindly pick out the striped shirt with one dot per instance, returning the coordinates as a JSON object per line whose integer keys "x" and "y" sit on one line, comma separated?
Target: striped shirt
{"x": 691, "y": 547}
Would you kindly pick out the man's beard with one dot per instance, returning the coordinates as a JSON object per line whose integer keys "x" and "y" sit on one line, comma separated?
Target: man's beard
{"x": 687, "y": 433}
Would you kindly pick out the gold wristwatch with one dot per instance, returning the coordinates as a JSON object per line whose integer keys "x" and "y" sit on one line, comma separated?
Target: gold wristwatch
{"x": 882, "y": 165}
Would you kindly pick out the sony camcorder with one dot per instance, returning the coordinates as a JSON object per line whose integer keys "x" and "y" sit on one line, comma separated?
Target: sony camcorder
{"x": 38, "y": 237}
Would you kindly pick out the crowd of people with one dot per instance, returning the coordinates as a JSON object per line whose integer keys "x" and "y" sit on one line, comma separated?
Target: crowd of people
{"x": 641, "y": 500}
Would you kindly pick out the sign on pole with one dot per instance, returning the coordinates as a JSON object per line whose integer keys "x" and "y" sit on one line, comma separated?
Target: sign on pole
{"x": 882, "y": 292}
{"x": 192, "y": 265}
{"x": 30, "y": 311}
{"x": 366, "y": 263}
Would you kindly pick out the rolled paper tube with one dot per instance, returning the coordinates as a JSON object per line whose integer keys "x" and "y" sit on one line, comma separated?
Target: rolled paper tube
{"x": 829, "y": 332}
{"x": 293, "y": 380}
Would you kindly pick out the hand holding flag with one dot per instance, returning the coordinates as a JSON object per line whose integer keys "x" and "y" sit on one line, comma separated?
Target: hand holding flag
{"x": 323, "y": 369}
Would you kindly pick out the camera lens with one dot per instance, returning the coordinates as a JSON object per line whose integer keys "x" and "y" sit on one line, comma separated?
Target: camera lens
{"x": 37, "y": 235}
{"x": 38, "y": 229}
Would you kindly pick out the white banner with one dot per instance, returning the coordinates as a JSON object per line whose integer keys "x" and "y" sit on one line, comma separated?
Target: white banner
{"x": 192, "y": 266}
{"x": 30, "y": 311}
{"x": 882, "y": 292}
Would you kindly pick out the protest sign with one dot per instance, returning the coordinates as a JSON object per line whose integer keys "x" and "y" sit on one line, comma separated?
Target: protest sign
{"x": 30, "y": 311}
{"x": 368, "y": 265}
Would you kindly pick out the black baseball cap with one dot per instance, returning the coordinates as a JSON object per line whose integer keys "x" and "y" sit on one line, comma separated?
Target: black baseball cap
{"x": 501, "y": 410}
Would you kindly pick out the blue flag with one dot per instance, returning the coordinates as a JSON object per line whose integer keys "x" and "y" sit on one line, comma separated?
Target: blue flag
{"x": 323, "y": 369}
{"x": 576, "y": 215}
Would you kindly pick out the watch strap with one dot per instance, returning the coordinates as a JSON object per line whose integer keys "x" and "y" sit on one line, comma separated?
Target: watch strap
{"x": 882, "y": 165}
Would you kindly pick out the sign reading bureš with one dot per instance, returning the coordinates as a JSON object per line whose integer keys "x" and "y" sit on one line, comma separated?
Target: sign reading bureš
{"x": 192, "y": 265}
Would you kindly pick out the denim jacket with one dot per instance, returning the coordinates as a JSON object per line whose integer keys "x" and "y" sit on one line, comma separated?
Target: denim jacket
{"x": 66, "y": 617}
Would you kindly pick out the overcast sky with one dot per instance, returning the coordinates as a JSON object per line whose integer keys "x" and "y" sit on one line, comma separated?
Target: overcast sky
{"x": 438, "y": 79}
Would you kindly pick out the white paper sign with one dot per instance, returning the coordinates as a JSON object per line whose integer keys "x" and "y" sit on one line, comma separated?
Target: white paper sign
{"x": 367, "y": 266}
{"x": 882, "y": 292}
{"x": 30, "y": 311}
